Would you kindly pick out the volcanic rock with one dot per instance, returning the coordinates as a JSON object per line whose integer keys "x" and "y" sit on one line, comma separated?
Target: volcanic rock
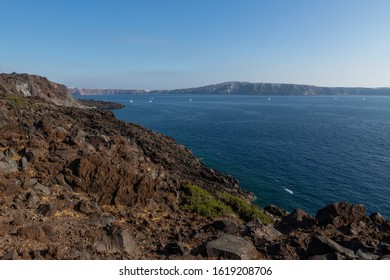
{"x": 341, "y": 214}
{"x": 231, "y": 247}
{"x": 32, "y": 232}
{"x": 47, "y": 209}
{"x": 267, "y": 233}
{"x": 276, "y": 211}
{"x": 323, "y": 245}
{"x": 226, "y": 226}
{"x": 119, "y": 241}
{"x": 296, "y": 219}
{"x": 11, "y": 255}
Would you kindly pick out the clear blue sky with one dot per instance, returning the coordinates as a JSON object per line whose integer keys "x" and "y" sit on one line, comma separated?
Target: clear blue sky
{"x": 174, "y": 44}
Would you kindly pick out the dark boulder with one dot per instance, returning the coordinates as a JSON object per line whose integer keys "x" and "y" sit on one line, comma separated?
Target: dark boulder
{"x": 341, "y": 214}
{"x": 226, "y": 226}
{"x": 276, "y": 211}
{"x": 175, "y": 248}
{"x": 296, "y": 219}
{"x": 281, "y": 251}
{"x": 232, "y": 248}
{"x": 119, "y": 241}
{"x": 377, "y": 219}
{"x": 47, "y": 210}
{"x": 321, "y": 245}
{"x": 87, "y": 207}
{"x": 10, "y": 255}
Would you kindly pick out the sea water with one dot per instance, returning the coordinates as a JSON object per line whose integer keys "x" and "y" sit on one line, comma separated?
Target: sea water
{"x": 292, "y": 151}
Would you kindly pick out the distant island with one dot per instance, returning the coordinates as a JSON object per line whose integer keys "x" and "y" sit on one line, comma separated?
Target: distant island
{"x": 246, "y": 88}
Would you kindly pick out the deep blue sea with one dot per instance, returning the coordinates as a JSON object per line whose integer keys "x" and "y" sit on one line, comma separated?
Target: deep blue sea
{"x": 294, "y": 152}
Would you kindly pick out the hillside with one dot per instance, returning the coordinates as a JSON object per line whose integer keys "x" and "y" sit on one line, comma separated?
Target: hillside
{"x": 24, "y": 85}
{"x": 79, "y": 184}
{"x": 245, "y": 88}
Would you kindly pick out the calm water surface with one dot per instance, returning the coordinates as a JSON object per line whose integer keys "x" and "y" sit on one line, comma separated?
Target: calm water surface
{"x": 295, "y": 152}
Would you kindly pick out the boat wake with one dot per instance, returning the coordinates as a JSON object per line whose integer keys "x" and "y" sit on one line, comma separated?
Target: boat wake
{"x": 289, "y": 191}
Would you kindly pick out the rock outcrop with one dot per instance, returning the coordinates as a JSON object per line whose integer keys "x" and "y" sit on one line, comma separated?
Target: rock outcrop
{"x": 25, "y": 85}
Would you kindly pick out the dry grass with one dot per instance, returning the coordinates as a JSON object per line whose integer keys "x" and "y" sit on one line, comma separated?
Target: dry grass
{"x": 67, "y": 213}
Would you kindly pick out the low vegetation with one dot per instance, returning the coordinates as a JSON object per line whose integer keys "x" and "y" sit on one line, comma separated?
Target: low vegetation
{"x": 246, "y": 211}
{"x": 198, "y": 200}
{"x": 17, "y": 100}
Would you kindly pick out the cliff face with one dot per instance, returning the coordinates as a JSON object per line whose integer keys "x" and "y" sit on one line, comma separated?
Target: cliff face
{"x": 31, "y": 85}
{"x": 79, "y": 184}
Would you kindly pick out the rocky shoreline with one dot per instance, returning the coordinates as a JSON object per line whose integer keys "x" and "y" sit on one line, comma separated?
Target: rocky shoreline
{"x": 80, "y": 184}
{"x": 98, "y": 104}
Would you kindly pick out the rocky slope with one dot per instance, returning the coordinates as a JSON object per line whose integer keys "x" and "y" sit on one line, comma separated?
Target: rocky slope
{"x": 79, "y": 184}
{"x": 31, "y": 85}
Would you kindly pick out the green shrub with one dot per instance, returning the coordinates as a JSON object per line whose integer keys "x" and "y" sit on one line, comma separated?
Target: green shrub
{"x": 246, "y": 211}
{"x": 196, "y": 199}
{"x": 17, "y": 100}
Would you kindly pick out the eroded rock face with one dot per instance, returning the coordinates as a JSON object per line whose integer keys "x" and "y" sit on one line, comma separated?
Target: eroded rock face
{"x": 32, "y": 85}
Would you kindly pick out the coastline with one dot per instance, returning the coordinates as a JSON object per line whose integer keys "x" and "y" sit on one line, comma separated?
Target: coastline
{"x": 75, "y": 181}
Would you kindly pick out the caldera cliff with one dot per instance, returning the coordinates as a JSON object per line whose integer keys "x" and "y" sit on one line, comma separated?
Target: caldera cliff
{"x": 77, "y": 183}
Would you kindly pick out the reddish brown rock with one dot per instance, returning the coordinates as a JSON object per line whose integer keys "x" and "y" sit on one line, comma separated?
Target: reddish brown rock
{"x": 341, "y": 214}
{"x": 32, "y": 233}
{"x": 296, "y": 219}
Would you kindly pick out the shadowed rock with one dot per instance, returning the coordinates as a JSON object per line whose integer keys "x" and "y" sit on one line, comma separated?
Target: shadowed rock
{"x": 226, "y": 226}
{"x": 296, "y": 219}
{"x": 10, "y": 255}
{"x": 47, "y": 210}
{"x": 231, "y": 247}
{"x": 322, "y": 245}
{"x": 276, "y": 211}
